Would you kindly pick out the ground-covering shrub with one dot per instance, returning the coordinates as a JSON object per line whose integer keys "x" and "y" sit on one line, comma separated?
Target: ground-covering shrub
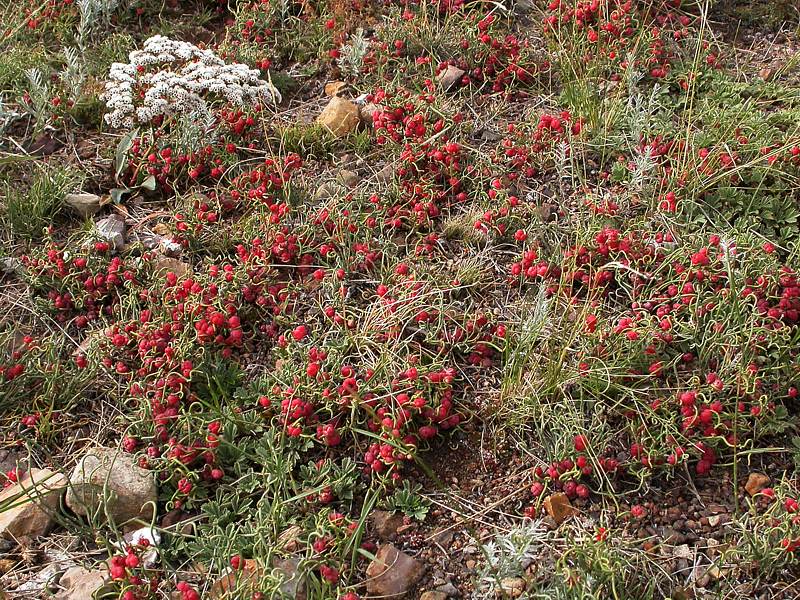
{"x": 583, "y": 250}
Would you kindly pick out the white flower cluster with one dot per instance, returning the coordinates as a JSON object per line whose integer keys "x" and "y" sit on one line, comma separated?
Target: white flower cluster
{"x": 177, "y": 78}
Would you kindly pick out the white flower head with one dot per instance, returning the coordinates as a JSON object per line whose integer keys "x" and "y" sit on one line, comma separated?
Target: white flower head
{"x": 169, "y": 77}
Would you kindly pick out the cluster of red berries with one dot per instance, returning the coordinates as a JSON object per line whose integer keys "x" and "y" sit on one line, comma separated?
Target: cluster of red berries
{"x": 524, "y": 153}
{"x": 502, "y": 62}
{"x": 154, "y": 154}
{"x": 608, "y": 30}
{"x": 83, "y": 287}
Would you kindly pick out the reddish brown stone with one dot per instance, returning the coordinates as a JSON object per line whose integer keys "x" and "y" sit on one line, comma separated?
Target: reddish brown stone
{"x": 31, "y": 504}
{"x": 559, "y": 508}
{"x": 755, "y": 483}
{"x": 392, "y": 573}
{"x": 247, "y": 575}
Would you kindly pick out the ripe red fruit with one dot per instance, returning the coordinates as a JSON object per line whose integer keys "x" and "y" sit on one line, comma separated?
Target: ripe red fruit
{"x": 330, "y": 574}
{"x": 580, "y": 443}
{"x": 299, "y": 332}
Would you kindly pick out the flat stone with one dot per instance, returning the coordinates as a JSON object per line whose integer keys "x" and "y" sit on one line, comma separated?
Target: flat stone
{"x": 108, "y": 481}
{"x": 239, "y": 580}
{"x": 385, "y": 523}
{"x": 10, "y": 265}
{"x": 41, "y": 584}
{"x": 294, "y": 584}
{"x": 559, "y": 507}
{"x": 85, "y": 205}
{"x": 716, "y": 520}
{"x": 433, "y": 596}
{"x": 682, "y": 551}
{"x": 386, "y": 174}
{"x": 32, "y": 504}
{"x": 444, "y": 538}
{"x": 289, "y": 539}
{"x": 328, "y": 190}
{"x": 78, "y": 583}
{"x": 167, "y": 264}
{"x": 755, "y": 483}
{"x": 513, "y": 587}
{"x": 392, "y": 572}
{"x": 450, "y": 78}
{"x": 334, "y": 88}
{"x": 340, "y": 116}
{"x": 348, "y": 178}
{"x": 250, "y": 574}
{"x": 449, "y": 590}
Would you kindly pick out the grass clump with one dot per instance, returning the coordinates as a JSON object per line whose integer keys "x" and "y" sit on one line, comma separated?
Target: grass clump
{"x": 32, "y": 205}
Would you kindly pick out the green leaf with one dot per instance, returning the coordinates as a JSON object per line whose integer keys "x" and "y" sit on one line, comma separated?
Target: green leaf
{"x": 149, "y": 183}
{"x": 121, "y": 155}
{"x": 117, "y": 194}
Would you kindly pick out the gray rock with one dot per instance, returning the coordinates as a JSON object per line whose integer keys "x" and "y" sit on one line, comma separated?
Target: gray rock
{"x": 112, "y": 229}
{"x": 450, "y": 77}
{"x": 78, "y": 583}
{"x": 108, "y": 482}
{"x": 85, "y": 205}
{"x": 10, "y": 265}
{"x": 449, "y": 590}
{"x": 38, "y": 585}
{"x": 294, "y": 584}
